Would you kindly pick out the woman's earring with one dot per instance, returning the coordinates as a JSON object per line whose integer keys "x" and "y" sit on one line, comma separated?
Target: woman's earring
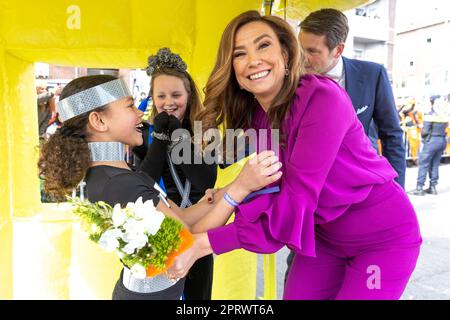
{"x": 286, "y": 71}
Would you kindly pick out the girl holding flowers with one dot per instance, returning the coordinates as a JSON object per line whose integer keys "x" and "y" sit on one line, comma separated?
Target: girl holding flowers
{"x": 99, "y": 118}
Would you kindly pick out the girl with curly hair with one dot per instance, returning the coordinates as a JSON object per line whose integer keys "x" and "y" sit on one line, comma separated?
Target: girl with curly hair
{"x": 99, "y": 119}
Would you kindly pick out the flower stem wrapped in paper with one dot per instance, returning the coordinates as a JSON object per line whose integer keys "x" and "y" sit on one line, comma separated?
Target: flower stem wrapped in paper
{"x": 144, "y": 238}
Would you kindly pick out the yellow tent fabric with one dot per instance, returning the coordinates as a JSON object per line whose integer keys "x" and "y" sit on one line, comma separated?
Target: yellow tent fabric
{"x": 299, "y": 9}
{"x": 237, "y": 269}
{"x": 43, "y": 254}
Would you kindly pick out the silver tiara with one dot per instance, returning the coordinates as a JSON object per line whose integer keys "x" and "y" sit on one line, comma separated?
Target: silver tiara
{"x": 92, "y": 98}
{"x": 107, "y": 151}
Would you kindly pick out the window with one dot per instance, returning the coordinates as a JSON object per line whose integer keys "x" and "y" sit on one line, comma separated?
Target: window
{"x": 361, "y": 12}
{"x": 428, "y": 40}
{"x": 427, "y": 79}
{"x": 357, "y": 54}
{"x": 112, "y": 72}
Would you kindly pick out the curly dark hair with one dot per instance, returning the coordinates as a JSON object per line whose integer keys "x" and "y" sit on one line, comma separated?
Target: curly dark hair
{"x": 65, "y": 157}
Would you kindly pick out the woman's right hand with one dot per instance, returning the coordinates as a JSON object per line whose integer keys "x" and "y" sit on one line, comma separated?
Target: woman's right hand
{"x": 258, "y": 172}
{"x": 183, "y": 262}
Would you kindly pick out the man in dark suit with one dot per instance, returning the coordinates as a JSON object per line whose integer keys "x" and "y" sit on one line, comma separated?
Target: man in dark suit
{"x": 322, "y": 37}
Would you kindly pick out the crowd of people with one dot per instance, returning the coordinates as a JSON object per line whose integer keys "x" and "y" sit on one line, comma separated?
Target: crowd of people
{"x": 48, "y": 120}
{"x": 340, "y": 162}
{"x": 411, "y": 115}
{"x": 427, "y": 137}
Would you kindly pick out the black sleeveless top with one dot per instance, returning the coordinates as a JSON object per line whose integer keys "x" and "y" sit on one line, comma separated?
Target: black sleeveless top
{"x": 116, "y": 185}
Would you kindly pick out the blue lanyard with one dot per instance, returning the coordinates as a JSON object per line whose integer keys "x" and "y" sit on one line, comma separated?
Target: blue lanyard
{"x": 262, "y": 191}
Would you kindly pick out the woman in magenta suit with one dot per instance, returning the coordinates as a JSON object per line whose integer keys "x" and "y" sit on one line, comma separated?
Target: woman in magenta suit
{"x": 354, "y": 231}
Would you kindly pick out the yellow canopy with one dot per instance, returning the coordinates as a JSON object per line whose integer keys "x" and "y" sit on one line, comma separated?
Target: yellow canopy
{"x": 299, "y": 9}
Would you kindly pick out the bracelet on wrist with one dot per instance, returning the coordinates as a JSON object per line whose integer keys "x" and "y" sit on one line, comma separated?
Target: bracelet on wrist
{"x": 230, "y": 200}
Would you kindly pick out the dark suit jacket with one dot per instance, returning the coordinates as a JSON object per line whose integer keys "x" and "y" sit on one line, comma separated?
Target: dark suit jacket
{"x": 369, "y": 88}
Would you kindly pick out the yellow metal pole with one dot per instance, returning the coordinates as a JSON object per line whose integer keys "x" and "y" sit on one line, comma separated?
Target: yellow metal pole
{"x": 268, "y": 7}
{"x": 269, "y": 260}
{"x": 270, "y": 277}
{"x": 6, "y": 234}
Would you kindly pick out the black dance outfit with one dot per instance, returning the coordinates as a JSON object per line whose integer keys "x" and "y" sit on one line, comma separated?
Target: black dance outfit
{"x": 116, "y": 185}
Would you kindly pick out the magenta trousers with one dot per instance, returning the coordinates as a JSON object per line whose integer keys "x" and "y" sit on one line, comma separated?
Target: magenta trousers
{"x": 369, "y": 252}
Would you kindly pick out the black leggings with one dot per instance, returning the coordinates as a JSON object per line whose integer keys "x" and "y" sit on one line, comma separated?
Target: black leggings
{"x": 199, "y": 280}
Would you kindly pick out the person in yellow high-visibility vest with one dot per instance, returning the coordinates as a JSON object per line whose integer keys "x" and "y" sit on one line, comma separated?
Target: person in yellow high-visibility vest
{"x": 434, "y": 142}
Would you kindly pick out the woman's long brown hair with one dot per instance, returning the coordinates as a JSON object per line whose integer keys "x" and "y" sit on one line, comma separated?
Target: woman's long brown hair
{"x": 225, "y": 102}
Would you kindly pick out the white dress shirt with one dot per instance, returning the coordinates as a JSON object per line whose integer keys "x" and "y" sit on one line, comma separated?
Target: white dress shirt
{"x": 338, "y": 73}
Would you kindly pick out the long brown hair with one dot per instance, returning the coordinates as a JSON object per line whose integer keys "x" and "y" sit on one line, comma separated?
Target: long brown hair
{"x": 65, "y": 157}
{"x": 194, "y": 104}
{"x": 225, "y": 102}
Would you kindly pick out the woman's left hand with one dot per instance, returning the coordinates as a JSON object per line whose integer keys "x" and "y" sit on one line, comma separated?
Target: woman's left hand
{"x": 258, "y": 172}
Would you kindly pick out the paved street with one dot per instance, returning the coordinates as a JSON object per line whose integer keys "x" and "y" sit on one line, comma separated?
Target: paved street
{"x": 431, "y": 278}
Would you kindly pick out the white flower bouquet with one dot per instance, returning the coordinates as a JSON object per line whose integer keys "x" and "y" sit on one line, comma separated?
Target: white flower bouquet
{"x": 145, "y": 239}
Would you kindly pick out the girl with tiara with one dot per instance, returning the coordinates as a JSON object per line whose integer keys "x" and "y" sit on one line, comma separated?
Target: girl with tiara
{"x": 99, "y": 119}
{"x": 176, "y": 102}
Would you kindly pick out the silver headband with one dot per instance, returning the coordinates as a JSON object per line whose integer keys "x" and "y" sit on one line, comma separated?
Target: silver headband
{"x": 107, "y": 151}
{"x": 92, "y": 98}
